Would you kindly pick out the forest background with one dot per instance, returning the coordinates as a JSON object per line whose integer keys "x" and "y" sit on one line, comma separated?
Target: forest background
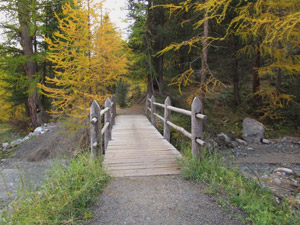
{"x": 241, "y": 57}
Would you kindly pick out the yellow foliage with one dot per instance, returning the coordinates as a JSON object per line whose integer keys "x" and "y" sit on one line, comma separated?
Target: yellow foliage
{"x": 275, "y": 25}
{"x": 273, "y": 100}
{"x": 88, "y": 57}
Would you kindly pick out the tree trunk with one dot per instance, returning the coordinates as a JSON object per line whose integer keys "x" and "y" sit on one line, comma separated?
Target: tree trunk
{"x": 256, "y": 80}
{"x": 236, "y": 88}
{"x": 30, "y": 68}
{"x": 150, "y": 89}
{"x": 204, "y": 70}
{"x": 161, "y": 74}
{"x": 278, "y": 80}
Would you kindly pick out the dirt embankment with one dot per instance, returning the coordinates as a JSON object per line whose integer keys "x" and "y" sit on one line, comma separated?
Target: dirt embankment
{"x": 33, "y": 157}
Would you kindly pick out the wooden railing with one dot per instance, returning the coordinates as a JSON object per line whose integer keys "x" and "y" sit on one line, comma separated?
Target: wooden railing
{"x": 196, "y": 121}
{"x": 96, "y": 129}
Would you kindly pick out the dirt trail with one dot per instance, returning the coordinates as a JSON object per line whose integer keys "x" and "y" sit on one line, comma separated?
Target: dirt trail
{"x": 159, "y": 200}
{"x": 133, "y": 110}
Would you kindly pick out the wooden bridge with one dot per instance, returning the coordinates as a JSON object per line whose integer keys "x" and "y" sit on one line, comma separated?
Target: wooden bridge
{"x": 133, "y": 146}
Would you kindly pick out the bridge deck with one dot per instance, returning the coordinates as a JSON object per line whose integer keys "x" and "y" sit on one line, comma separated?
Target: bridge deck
{"x": 138, "y": 149}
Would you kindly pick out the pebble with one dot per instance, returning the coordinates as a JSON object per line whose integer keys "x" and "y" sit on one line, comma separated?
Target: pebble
{"x": 240, "y": 141}
{"x": 5, "y": 145}
{"x": 277, "y": 181}
{"x": 266, "y": 141}
{"x": 16, "y": 142}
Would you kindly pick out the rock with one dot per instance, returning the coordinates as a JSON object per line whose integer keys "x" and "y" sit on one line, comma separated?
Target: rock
{"x": 266, "y": 141}
{"x": 250, "y": 149}
{"x": 26, "y": 138}
{"x": 5, "y": 145}
{"x": 277, "y": 181}
{"x": 284, "y": 170}
{"x": 253, "y": 131}
{"x": 16, "y": 142}
{"x": 38, "y": 130}
{"x": 240, "y": 141}
{"x": 241, "y": 154}
{"x": 224, "y": 137}
{"x": 234, "y": 144}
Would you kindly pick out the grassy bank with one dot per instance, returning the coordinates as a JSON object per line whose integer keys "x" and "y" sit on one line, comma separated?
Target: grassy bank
{"x": 259, "y": 204}
{"x": 64, "y": 199}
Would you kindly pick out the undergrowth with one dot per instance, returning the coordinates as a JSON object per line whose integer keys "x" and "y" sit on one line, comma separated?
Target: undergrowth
{"x": 259, "y": 204}
{"x": 65, "y": 198}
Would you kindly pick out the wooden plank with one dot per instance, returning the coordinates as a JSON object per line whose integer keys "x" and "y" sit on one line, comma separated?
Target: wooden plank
{"x": 138, "y": 149}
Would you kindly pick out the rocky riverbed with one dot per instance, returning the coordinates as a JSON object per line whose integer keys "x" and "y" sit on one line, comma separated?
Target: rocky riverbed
{"x": 273, "y": 163}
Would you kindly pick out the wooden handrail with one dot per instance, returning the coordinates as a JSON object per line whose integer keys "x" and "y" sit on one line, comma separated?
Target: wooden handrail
{"x": 158, "y": 116}
{"x": 196, "y": 120}
{"x": 179, "y": 110}
{"x": 181, "y": 129}
{"x": 158, "y": 104}
{"x": 96, "y": 130}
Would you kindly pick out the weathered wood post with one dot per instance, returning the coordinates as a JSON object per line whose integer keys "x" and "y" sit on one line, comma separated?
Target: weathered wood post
{"x": 147, "y": 105}
{"x": 114, "y": 109}
{"x": 196, "y": 127}
{"x": 167, "y": 114}
{"x": 107, "y": 120}
{"x": 153, "y": 110}
{"x": 95, "y": 130}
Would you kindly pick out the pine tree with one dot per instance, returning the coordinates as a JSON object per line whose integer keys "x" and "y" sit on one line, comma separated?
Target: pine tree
{"x": 88, "y": 57}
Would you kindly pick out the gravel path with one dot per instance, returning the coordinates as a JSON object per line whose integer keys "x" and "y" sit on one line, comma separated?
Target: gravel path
{"x": 158, "y": 200}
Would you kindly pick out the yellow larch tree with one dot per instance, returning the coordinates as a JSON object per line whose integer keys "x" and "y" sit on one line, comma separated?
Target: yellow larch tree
{"x": 275, "y": 28}
{"x": 88, "y": 58}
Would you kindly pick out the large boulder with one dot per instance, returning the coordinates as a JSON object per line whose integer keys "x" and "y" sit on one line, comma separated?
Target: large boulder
{"x": 253, "y": 131}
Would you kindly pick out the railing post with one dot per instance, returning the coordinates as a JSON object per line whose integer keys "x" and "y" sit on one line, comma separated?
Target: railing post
{"x": 95, "y": 129}
{"x": 167, "y": 114}
{"x": 197, "y": 127}
{"x": 147, "y": 105}
{"x": 107, "y": 119}
{"x": 153, "y": 110}
{"x": 114, "y": 109}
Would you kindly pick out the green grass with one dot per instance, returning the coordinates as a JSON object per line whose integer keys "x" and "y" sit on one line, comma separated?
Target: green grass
{"x": 259, "y": 204}
{"x": 7, "y": 133}
{"x": 64, "y": 199}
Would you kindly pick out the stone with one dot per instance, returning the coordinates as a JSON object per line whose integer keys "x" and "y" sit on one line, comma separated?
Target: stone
{"x": 38, "y": 130}
{"x": 240, "y": 141}
{"x": 234, "y": 144}
{"x": 16, "y": 142}
{"x": 5, "y": 145}
{"x": 25, "y": 138}
{"x": 253, "y": 131}
{"x": 250, "y": 149}
{"x": 277, "y": 181}
{"x": 284, "y": 170}
{"x": 224, "y": 137}
{"x": 266, "y": 141}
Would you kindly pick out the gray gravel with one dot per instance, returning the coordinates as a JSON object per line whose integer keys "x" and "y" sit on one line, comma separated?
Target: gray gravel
{"x": 158, "y": 200}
